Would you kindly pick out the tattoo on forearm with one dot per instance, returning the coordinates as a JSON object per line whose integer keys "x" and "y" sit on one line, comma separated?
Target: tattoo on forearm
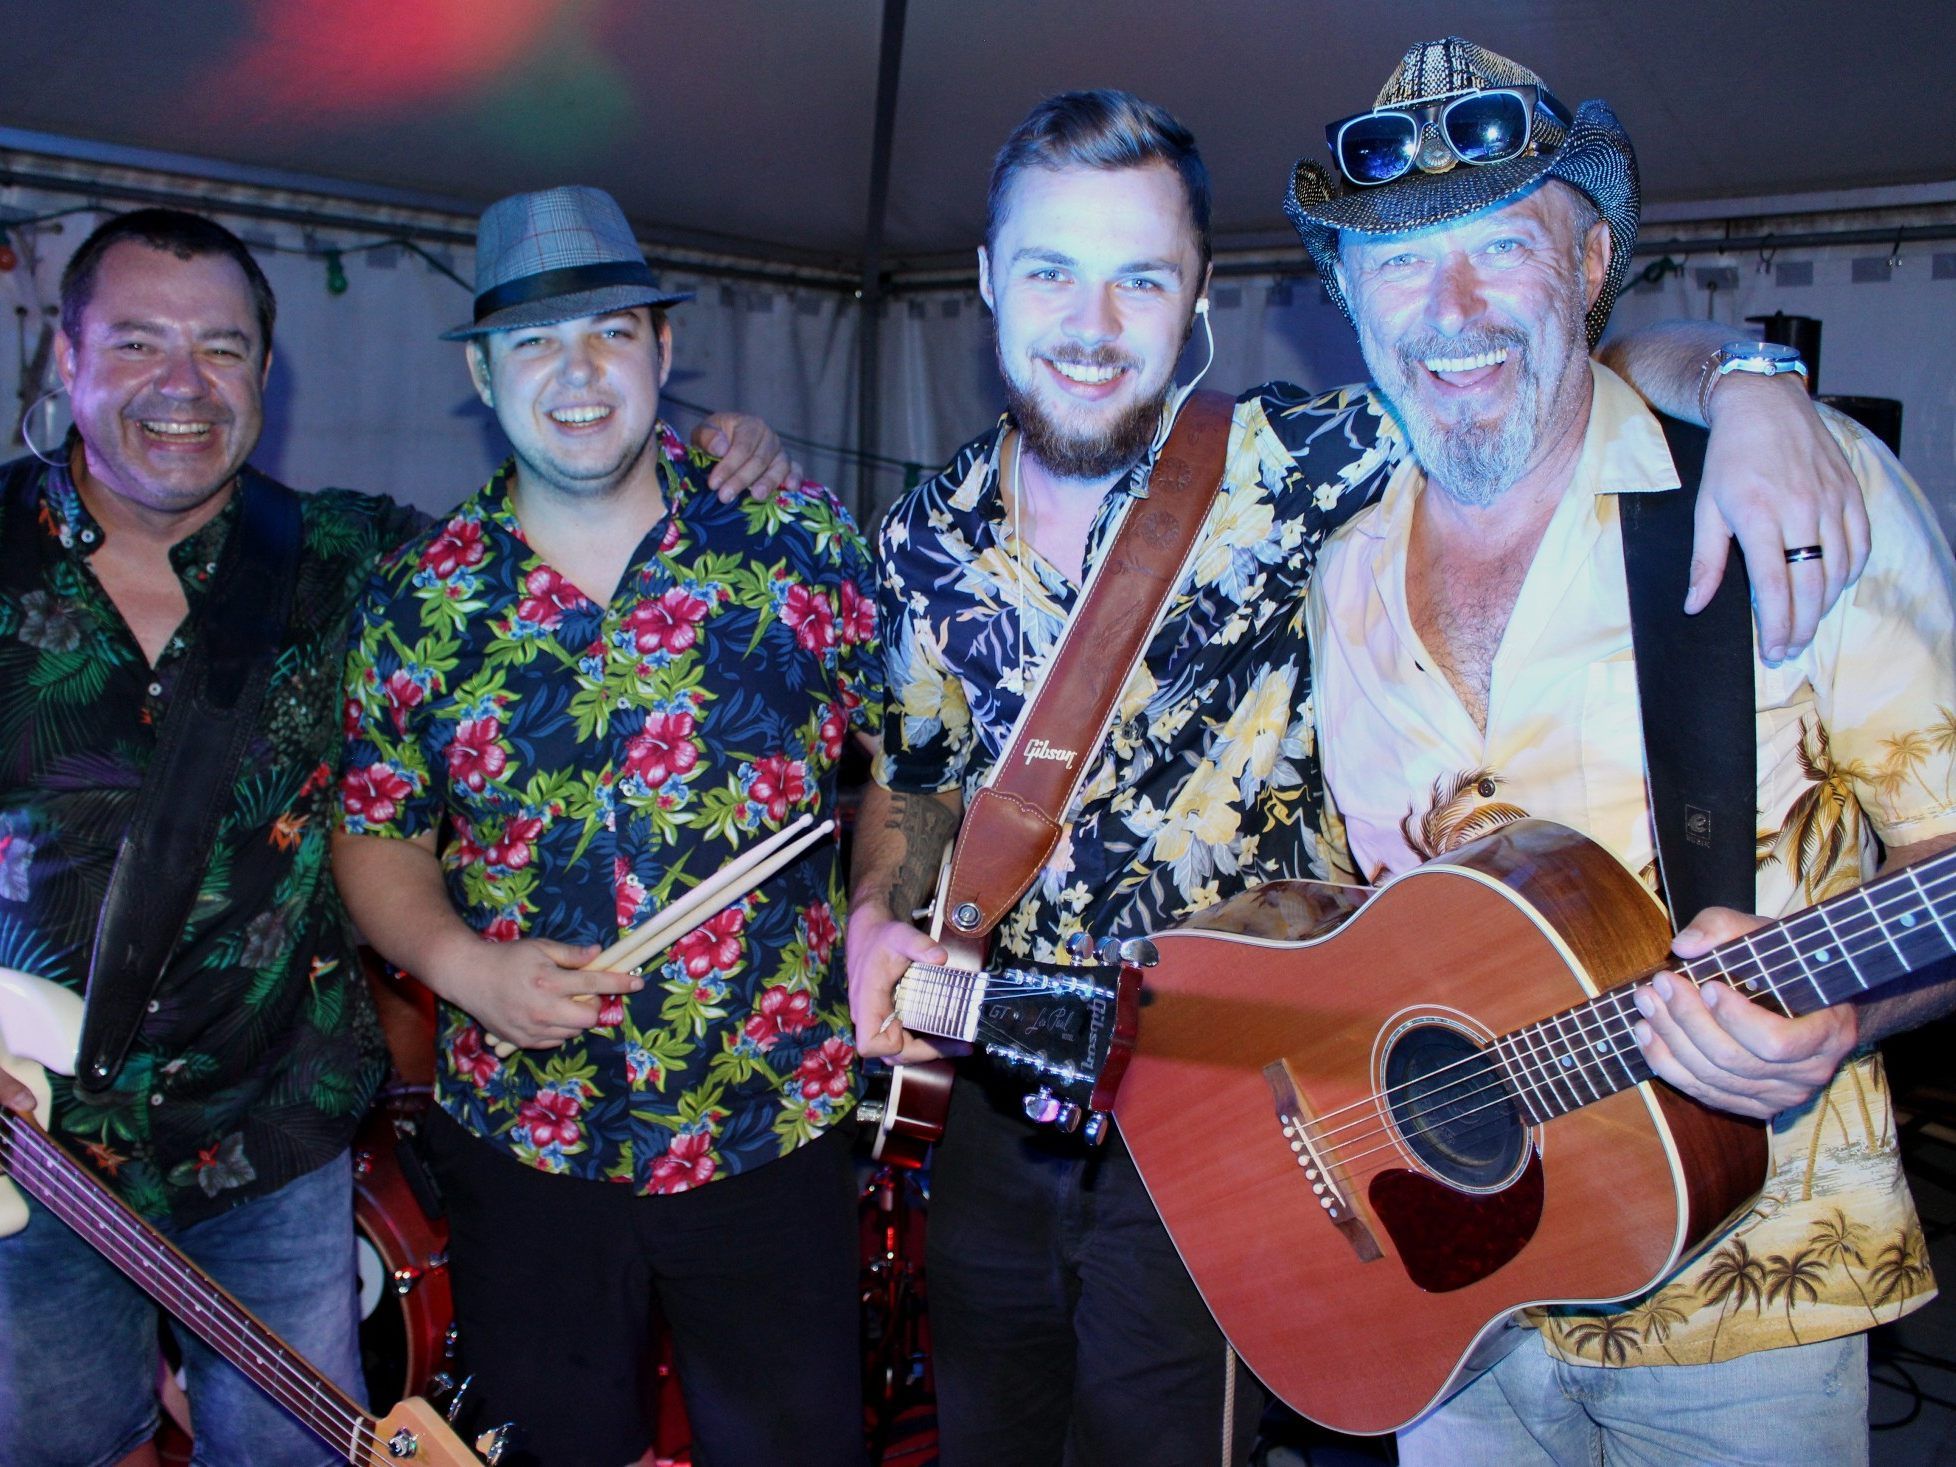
{"x": 911, "y": 843}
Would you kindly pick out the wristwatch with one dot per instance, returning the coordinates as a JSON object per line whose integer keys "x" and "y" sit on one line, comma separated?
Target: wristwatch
{"x": 1761, "y": 358}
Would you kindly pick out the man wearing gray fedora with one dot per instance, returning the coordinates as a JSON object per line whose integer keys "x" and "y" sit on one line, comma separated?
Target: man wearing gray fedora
{"x": 1475, "y": 661}
{"x": 253, "y": 1049}
{"x": 580, "y": 695}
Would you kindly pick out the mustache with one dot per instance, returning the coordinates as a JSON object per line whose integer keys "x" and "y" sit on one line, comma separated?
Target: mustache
{"x": 1414, "y": 351}
{"x": 1099, "y": 356}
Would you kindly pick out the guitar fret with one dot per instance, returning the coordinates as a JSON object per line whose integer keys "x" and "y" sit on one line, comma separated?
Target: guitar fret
{"x": 1572, "y": 1057}
{"x": 1915, "y": 878}
{"x": 1518, "y": 1079}
{"x": 1503, "y": 1057}
{"x": 1549, "y": 1071}
{"x": 1867, "y": 905}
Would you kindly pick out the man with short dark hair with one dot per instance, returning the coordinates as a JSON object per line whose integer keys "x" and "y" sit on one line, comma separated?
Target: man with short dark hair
{"x": 228, "y": 1120}
{"x": 573, "y": 700}
{"x": 1475, "y": 664}
{"x": 1063, "y": 1324}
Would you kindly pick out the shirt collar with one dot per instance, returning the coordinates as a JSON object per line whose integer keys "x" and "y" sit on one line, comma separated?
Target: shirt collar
{"x": 1623, "y": 452}
{"x": 680, "y": 479}
{"x": 194, "y": 557}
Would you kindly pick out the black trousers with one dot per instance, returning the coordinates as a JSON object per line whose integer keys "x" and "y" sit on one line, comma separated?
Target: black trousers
{"x": 1064, "y": 1328}
{"x": 560, "y": 1284}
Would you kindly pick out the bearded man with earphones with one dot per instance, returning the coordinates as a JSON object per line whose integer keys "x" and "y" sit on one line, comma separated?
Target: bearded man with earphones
{"x": 1064, "y": 1327}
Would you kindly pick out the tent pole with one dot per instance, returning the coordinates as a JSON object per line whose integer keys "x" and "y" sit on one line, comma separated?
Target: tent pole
{"x": 869, "y": 337}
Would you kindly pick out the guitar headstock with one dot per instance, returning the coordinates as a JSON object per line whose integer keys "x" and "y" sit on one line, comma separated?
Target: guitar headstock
{"x": 414, "y": 1431}
{"x": 1071, "y": 1031}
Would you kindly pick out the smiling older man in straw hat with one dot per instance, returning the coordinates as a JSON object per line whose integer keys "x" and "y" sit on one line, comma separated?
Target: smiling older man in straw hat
{"x": 1471, "y": 636}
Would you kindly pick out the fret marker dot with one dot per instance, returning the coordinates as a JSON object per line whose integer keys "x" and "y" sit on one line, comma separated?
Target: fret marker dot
{"x": 1825, "y": 955}
{"x": 1908, "y": 919}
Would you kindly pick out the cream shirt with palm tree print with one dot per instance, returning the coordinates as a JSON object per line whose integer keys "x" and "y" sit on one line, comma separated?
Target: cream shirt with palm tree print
{"x": 1857, "y": 741}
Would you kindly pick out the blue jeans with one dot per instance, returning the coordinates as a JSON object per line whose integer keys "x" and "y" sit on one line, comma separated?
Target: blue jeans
{"x": 78, "y": 1341}
{"x": 1797, "y": 1405}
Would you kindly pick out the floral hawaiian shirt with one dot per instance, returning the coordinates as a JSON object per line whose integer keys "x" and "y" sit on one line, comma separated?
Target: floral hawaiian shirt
{"x": 584, "y": 765}
{"x": 261, "y": 1050}
{"x": 1207, "y": 781}
{"x": 1857, "y": 740}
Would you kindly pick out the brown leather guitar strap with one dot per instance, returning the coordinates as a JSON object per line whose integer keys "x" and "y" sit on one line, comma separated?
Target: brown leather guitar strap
{"x": 1014, "y": 823}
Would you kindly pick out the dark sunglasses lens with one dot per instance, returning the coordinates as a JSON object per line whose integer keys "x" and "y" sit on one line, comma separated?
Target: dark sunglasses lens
{"x": 1377, "y": 149}
{"x": 1488, "y": 128}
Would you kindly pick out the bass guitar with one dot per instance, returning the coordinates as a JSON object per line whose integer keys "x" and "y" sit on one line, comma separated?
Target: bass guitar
{"x": 1375, "y": 1128}
{"x": 40, "y": 1026}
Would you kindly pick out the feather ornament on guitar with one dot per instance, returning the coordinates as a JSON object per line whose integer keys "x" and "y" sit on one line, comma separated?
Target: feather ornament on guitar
{"x": 1378, "y": 1124}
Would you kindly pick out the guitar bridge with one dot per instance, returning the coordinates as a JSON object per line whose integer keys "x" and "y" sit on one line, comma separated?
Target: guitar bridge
{"x": 1331, "y": 1195}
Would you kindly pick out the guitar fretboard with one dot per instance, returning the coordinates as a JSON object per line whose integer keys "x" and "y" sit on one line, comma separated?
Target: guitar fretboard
{"x": 1845, "y": 946}
{"x": 60, "y": 1184}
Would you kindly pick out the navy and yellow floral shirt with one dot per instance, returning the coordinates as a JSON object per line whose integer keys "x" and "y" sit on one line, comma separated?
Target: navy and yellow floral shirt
{"x": 261, "y": 1051}
{"x": 1207, "y": 782}
{"x": 584, "y": 765}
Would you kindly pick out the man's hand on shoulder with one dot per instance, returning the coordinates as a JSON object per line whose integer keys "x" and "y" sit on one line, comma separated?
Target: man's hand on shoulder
{"x": 752, "y": 459}
{"x": 1776, "y": 477}
{"x": 879, "y": 950}
{"x": 1718, "y": 1046}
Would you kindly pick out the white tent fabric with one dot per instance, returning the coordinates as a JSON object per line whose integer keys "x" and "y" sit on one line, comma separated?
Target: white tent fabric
{"x": 364, "y": 394}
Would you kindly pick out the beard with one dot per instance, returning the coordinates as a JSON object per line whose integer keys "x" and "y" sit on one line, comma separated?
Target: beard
{"x": 1096, "y": 453}
{"x": 1476, "y": 460}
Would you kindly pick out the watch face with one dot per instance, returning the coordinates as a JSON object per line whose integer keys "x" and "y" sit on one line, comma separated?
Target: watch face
{"x": 1758, "y": 355}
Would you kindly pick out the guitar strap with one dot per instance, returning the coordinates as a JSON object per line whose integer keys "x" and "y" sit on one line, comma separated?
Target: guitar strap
{"x": 1694, "y": 686}
{"x": 1014, "y": 823}
{"x": 234, "y": 637}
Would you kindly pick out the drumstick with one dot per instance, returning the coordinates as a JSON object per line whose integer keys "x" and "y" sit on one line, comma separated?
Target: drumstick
{"x": 651, "y": 938}
{"x": 620, "y": 955}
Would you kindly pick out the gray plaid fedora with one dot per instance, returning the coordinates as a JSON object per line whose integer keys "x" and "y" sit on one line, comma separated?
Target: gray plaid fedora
{"x": 1594, "y": 157}
{"x": 555, "y": 256}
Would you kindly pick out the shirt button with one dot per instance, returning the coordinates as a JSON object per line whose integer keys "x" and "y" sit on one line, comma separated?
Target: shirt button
{"x": 1485, "y": 789}
{"x": 623, "y": 704}
{"x": 156, "y": 1099}
{"x": 156, "y": 690}
{"x": 155, "y": 1005}
{"x": 88, "y": 537}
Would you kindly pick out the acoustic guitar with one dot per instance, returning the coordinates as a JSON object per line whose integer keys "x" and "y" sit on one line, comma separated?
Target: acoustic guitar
{"x": 1375, "y": 1128}
{"x": 40, "y": 1026}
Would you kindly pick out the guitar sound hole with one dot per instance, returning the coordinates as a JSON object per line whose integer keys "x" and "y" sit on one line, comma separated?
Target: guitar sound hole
{"x": 1450, "y": 1106}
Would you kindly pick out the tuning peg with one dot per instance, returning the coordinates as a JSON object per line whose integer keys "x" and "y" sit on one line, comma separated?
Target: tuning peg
{"x": 1079, "y": 947}
{"x": 1108, "y": 950}
{"x": 1068, "y": 1119}
{"x": 440, "y": 1385}
{"x": 492, "y": 1444}
{"x": 1042, "y": 1106}
{"x": 448, "y": 1338}
{"x": 454, "y": 1408}
{"x": 1096, "y": 1132}
{"x": 1138, "y": 952}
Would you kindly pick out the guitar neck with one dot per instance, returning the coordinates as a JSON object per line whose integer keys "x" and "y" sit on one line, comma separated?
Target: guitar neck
{"x": 47, "y": 1173}
{"x": 1839, "y": 949}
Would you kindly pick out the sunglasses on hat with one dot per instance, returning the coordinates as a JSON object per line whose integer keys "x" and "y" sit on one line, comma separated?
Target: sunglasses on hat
{"x": 1477, "y": 127}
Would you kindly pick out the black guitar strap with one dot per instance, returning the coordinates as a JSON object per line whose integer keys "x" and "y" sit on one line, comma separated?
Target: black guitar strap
{"x": 234, "y": 638}
{"x": 1694, "y": 684}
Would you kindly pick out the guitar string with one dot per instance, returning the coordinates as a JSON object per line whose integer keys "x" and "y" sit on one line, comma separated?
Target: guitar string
{"x": 302, "y": 1396}
{"x": 1543, "y": 1073}
{"x": 1714, "y": 961}
{"x": 124, "y": 1242}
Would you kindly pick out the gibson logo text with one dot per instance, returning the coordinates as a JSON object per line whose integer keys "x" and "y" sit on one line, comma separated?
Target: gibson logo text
{"x": 1041, "y": 749}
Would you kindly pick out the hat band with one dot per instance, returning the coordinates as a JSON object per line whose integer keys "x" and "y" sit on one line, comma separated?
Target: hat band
{"x": 568, "y": 281}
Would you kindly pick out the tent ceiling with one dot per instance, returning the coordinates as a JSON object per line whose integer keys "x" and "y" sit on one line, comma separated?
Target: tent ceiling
{"x": 747, "y": 123}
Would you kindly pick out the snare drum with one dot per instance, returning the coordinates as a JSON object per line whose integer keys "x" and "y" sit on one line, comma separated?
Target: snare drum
{"x": 405, "y": 1305}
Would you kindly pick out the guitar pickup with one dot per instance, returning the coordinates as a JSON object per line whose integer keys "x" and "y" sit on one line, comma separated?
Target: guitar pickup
{"x": 1332, "y": 1197}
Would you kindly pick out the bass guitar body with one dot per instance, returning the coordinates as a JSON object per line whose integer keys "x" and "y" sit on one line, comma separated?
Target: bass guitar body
{"x": 1319, "y": 1112}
